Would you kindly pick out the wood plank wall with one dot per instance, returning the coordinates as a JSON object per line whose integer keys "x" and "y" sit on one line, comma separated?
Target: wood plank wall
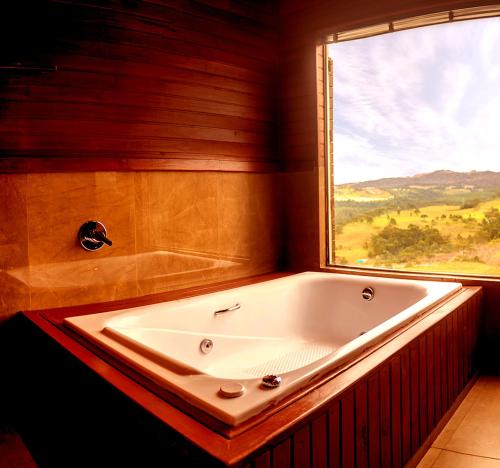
{"x": 387, "y": 415}
{"x": 140, "y": 84}
{"x": 301, "y": 137}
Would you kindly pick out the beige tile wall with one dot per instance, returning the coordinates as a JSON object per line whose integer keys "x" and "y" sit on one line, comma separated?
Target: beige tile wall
{"x": 170, "y": 230}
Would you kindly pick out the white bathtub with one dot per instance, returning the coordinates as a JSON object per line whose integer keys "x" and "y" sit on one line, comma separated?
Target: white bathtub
{"x": 299, "y": 327}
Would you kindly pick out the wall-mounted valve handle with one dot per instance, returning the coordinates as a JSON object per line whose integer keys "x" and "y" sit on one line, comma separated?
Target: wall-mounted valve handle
{"x": 92, "y": 235}
{"x": 98, "y": 235}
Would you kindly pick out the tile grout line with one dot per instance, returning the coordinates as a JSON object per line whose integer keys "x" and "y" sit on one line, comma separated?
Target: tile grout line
{"x": 464, "y": 453}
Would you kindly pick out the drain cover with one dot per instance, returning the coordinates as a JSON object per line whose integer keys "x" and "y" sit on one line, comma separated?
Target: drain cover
{"x": 232, "y": 389}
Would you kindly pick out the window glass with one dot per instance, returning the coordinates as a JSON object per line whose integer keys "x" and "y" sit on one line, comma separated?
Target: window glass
{"x": 415, "y": 149}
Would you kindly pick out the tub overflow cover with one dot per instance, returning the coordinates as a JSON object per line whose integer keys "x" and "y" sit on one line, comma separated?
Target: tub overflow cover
{"x": 206, "y": 346}
{"x": 368, "y": 293}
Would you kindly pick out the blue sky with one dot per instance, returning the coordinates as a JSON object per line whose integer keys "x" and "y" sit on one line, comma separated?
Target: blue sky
{"x": 417, "y": 101}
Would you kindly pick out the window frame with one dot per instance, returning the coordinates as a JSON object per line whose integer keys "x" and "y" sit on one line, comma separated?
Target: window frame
{"x": 441, "y": 17}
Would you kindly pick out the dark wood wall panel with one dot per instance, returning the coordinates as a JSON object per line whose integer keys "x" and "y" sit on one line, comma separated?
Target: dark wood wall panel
{"x": 334, "y": 442}
{"x": 388, "y": 414}
{"x": 396, "y": 423}
{"x": 319, "y": 442}
{"x": 374, "y": 403}
{"x": 300, "y": 134}
{"x": 139, "y": 80}
{"x": 347, "y": 430}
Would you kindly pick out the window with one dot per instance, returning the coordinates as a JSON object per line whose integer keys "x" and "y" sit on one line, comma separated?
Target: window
{"x": 414, "y": 136}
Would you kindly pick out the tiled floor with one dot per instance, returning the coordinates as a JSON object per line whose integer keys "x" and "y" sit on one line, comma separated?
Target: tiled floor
{"x": 472, "y": 436}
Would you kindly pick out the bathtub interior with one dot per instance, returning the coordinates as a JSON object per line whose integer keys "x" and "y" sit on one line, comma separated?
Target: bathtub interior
{"x": 265, "y": 335}
{"x": 232, "y": 356}
{"x": 323, "y": 309}
{"x": 298, "y": 327}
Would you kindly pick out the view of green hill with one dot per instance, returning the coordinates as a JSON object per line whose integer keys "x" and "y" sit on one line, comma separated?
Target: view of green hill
{"x": 479, "y": 179}
{"x": 444, "y": 221}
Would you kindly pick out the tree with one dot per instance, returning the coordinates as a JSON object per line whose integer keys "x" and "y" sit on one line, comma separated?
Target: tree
{"x": 490, "y": 226}
{"x": 401, "y": 245}
{"x": 470, "y": 204}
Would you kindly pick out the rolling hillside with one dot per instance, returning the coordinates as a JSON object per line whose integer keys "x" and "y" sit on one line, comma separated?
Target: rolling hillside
{"x": 444, "y": 221}
{"x": 437, "y": 179}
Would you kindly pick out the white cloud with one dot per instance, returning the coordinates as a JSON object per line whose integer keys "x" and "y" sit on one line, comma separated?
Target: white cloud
{"x": 418, "y": 101}
{"x": 456, "y": 81}
{"x": 489, "y": 43}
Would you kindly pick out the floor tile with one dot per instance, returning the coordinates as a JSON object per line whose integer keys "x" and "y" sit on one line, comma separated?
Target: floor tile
{"x": 459, "y": 415}
{"x": 479, "y": 430}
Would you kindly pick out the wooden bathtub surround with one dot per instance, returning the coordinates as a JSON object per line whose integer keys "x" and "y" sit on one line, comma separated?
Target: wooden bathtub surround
{"x": 381, "y": 409}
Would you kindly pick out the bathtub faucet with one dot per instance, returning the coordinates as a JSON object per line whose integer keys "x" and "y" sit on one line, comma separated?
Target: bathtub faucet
{"x": 92, "y": 235}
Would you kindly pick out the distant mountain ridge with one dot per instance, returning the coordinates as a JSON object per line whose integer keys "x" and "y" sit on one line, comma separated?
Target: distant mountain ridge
{"x": 441, "y": 178}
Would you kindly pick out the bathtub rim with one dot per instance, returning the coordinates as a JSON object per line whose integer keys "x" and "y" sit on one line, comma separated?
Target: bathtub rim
{"x": 199, "y": 387}
{"x": 232, "y": 445}
{"x": 111, "y": 325}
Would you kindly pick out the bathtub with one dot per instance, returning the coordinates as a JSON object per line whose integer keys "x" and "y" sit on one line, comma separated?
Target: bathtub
{"x": 214, "y": 350}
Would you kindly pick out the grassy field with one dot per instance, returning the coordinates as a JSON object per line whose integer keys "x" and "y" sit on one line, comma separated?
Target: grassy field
{"x": 353, "y": 240}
